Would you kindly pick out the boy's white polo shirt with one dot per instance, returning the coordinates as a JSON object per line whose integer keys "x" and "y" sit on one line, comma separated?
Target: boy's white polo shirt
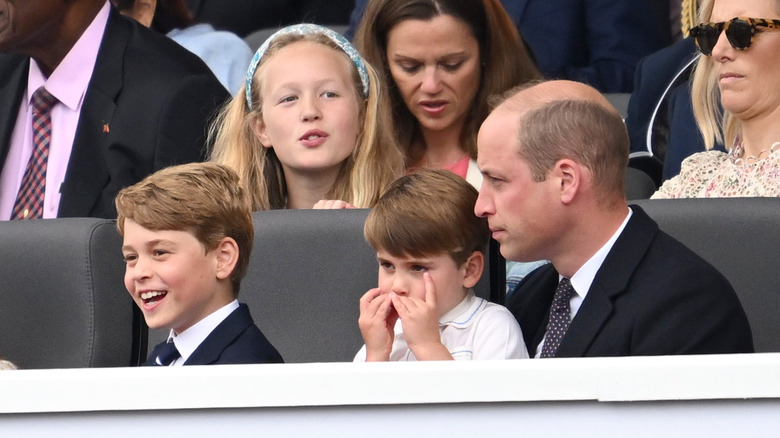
{"x": 474, "y": 330}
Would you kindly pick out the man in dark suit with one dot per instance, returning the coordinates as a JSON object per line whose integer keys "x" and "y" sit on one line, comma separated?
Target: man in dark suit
{"x": 146, "y": 104}
{"x": 597, "y": 42}
{"x": 553, "y": 156}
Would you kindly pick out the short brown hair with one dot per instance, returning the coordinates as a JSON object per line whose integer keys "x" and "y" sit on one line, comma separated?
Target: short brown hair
{"x": 205, "y": 199}
{"x": 425, "y": 213}
{"x": 581, "y": 130}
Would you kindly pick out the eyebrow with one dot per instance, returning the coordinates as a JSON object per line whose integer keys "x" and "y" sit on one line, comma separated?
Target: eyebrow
{"x": 149, "y": 244}
{"x": 402, "y": 57}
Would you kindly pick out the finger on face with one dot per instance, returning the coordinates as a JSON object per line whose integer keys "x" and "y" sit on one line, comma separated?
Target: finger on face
{"x": 430, "y": 289}
{"x": 400, "y": 303}
{"x": 369, "y": 297}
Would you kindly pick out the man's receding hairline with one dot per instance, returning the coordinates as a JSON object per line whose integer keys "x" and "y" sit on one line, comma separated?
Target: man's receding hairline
{"x": 534, "y": 98}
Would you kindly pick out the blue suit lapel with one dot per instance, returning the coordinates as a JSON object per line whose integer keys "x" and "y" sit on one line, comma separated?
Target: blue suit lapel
{"x": 209, "y": 351}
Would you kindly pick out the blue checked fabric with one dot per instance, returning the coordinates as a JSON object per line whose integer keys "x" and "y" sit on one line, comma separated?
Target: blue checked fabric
{"x": 560, "y": 315}
{"x": 29, "y": 200}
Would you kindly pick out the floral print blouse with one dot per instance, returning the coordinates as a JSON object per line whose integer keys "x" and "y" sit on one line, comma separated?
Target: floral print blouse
{"x": 714, "y": 174}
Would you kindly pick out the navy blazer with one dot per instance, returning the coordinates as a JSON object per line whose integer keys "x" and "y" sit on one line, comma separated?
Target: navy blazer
{"x": 651, "y": 296}
{"x": 236, "y": 340}
{"x": 660, "y": 118}
{"x": 147, "y": 106}
{"x": 598, "y": 42}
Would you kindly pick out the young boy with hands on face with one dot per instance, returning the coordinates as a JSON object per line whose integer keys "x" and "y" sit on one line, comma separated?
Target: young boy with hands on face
{"x": 430, "y": 248}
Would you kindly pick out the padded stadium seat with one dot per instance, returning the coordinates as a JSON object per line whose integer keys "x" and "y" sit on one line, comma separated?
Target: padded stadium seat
{"x": 307, "y": 273}
{"x": 619, "y": 101}
{"x": 639, "y": 185}
{"x": 309, "y": 269}
{"x": 741, "y": 238}
{"x": 63, "y": 303}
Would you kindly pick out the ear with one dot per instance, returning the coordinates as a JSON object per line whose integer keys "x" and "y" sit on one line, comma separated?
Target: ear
{"x": 568, "y": 174}
{"x": 261, "y": 131}
{"x": 473, "y": 269}
{"x": 226, "y": 254}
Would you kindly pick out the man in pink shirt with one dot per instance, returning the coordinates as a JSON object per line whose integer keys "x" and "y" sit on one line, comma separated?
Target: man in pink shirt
{"x": 128, "y": 102}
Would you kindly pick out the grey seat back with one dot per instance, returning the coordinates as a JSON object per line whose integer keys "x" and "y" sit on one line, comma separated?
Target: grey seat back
{"x": 309, "y": 269}
{"x": 63, "y": 303}
{"x": 741, "y": 238}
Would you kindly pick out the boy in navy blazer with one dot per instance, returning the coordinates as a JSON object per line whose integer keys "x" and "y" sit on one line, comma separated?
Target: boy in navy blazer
{"x": 188, "y": 236}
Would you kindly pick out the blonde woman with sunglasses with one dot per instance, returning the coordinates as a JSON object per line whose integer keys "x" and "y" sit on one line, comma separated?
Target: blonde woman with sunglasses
{"x": 736, "y": 102}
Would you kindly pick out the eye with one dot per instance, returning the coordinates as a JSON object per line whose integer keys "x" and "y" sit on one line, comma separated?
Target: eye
{"x": 452, "y": 66}
{"x": 409, "y": 67}
{"x": 288, "y": 99}
{"x": 419, "y": 268}
{"x": 492, "y": 180}
{"x": 330, "y": 94}
{"x": 386, "y": 266}
{"x": 129, "y": 258}
{"x": 160, "y": 252}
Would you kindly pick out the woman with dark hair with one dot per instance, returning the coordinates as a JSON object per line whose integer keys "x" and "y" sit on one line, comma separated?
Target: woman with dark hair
{"x": 440, "y": 61}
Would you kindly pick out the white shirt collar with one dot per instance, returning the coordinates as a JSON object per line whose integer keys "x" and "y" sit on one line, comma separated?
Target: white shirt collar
{"x": 188, "y": 340}
{"x": 461, "y": 315}
{"x": 583, "y": 278}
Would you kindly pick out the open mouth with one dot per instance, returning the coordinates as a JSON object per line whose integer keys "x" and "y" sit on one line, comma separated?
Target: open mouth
{"x": 153, "y": 297}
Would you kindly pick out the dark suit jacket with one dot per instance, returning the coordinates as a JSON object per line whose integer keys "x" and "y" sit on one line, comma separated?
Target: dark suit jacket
{"x": 236, "y": 340}
{"x": 147, "y": 106}
{"x": 598, "y": 42}
{"x": 663, "y": 80}
{"x": 651, "y": 296}
{"x": 242, "y": 17}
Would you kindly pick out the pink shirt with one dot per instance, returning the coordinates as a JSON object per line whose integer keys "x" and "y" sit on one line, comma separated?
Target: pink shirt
{"x": 68, "y": 83}
{"x": 459, "y": 167}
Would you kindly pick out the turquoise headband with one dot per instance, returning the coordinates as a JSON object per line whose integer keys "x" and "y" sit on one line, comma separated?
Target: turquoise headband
{"x": 307, "y": 29}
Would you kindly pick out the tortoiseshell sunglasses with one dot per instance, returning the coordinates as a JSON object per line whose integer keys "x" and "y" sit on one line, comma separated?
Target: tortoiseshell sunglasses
{"x": 740, "y": 32}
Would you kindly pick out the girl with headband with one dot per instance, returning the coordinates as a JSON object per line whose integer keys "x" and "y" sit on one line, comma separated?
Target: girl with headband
{"x": 307, "y": 125}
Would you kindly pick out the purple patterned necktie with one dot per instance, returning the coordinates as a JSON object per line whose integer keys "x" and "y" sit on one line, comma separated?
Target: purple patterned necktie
{"x": 560, "y": 316}
{"x": 29, "y": 201}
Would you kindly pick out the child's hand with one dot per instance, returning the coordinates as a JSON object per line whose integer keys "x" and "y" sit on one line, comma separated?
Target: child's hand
{"x": 420, "y": 322}
{"x": 377, "y": 320}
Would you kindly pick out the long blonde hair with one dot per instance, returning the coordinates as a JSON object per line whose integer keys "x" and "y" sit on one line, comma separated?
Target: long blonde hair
{"x": 375, "y": 161}
{"x": 717, "y": 125}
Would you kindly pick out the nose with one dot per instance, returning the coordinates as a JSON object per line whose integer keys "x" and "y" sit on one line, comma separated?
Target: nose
{"x": 723, "y": 49}
{"x": 400, "y": 285}
{"x": 484, "y": 206}
{"x": 310, "y": 110}
{"x": 431, "y": 83}
{"x": 138, "y": 270}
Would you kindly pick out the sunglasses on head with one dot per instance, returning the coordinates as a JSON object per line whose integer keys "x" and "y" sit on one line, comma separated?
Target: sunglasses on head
{"x": 739, "y": 31}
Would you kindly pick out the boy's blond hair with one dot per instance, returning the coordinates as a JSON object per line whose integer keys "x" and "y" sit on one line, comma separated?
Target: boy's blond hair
{"x": 426, "y": 213}
{"x": 205, "y": 199}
